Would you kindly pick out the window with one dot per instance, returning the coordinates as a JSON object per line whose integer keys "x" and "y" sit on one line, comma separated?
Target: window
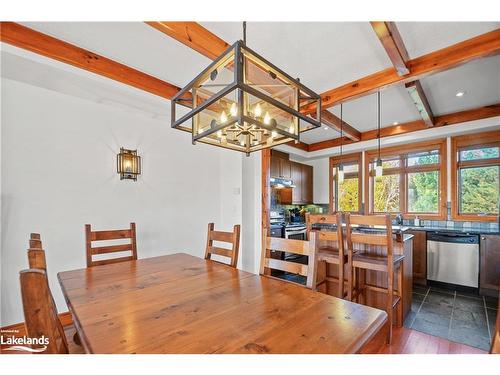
{"x": 346, "y": 195}
{"x": 413, "y": 181}
{"x": 475, "y": 177}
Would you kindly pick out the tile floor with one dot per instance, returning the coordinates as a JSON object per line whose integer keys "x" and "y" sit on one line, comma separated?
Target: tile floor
{"x": 455, "y": 316}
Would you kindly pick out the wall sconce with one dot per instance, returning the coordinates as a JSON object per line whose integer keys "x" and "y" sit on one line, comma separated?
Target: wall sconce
{"x": 128, "y": 164}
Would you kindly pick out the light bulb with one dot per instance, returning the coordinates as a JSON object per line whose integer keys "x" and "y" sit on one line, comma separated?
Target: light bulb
{"x": 292, "y": 129}
{"x": 223, "y": 117}
{"x": 219, "y": 134}
{"x": 274, "y": 134}
{"x": 257, "y": 110}
{"x": 242, "y": 142}
{"x": 340, "y": 176}
{"x": 200, "y": 130}
{"x": 378, "y": 168}
{"x": 233, "y": 110}
{"x": 223, "y": 140}
{"x": 267, "y": 118}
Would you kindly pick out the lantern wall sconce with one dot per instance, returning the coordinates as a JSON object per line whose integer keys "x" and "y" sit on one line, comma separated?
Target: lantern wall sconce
{"x": 128, "y": 164}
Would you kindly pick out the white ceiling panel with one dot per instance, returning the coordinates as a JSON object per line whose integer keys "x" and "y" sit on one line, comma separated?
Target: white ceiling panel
{"x": 131, "y": 43}
{"x": 421, "y": 38}
{"x": 323, "y": 55}
{"x": 480, "y": 80}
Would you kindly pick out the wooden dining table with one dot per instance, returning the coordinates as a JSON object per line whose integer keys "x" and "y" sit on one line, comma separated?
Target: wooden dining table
{"x": 183, "y": 304}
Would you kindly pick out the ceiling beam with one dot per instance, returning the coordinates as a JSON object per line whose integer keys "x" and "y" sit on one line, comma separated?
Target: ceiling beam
{"x": 45, "y": 45}
{"x": 332, "y": 121}
{"x": 389, "y": 36}
{"x": 412, "y": 126}
{"x": 193, "y": 35}
{"x": 420, "y": 100}
{"x": 393, "y": 44}
{"x": 481, "y": 46}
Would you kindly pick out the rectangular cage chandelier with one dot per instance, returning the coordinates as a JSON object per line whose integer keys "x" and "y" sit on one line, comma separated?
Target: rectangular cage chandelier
{"x": 243, "y": 102}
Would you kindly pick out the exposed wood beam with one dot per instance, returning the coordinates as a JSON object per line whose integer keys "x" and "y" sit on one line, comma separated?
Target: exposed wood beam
{"x": 332, "y": 121}
{"x": 393, "y": 44}
{"x": 481, "y": 46}
{"x": 390, "y": 38}
{"x": 34, "y": 41}
{"x": 409, "y": 127}
{"x": 420, "y": 100}
{"x": 193, "y": 35}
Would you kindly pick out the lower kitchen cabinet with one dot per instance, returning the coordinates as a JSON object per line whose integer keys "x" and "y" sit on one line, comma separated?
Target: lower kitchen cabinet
{"x": 489, "y": 273}
{"x": 419, "y": 256}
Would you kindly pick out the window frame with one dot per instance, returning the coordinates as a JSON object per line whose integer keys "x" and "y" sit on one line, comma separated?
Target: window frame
{"x": 401, "y": 153}
{"x": 462, "y": 143}
{"x": 354, "y": 158}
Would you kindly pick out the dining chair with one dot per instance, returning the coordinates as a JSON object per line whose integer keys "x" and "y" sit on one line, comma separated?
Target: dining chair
{"x": 40, "y": 312}
{"x": 105, "y": 235}
{"x": 329, "y": 247}
{"x": 232, "y": 238}
{"x": 371, "y": 249}
{"x": 297, "y": 247}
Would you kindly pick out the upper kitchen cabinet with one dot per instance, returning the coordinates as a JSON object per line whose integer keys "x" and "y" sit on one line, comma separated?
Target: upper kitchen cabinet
{"x": 280, "y": 165}
{"x": 297, "y": 181}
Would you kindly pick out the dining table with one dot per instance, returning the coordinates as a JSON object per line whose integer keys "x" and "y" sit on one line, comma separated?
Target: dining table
{"x": 180, "y": 303}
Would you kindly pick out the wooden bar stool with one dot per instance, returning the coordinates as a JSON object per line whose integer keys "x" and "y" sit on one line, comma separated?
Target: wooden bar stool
{"x": 370, "y": 247}
{"x": 267, "y": 263}
{"x": 329, "y": 245}
{"x": 232, "y": 238}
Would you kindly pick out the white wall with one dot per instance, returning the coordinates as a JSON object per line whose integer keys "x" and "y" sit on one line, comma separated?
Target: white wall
{"x": 58, "y": 173}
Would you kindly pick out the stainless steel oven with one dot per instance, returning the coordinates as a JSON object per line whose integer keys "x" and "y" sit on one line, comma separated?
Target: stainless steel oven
{"x": 296, "y": 231}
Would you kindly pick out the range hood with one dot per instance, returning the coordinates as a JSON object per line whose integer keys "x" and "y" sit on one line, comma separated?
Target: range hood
{"x": 280, "y": 183}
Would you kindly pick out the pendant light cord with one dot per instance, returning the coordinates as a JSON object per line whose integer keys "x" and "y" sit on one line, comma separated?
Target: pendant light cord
{"x": 378, "y": 126}
{"x": 245, "y": 32}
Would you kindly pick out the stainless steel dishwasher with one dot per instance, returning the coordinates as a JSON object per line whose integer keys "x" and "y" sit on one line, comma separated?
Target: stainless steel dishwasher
{"x": 453, "y": 258}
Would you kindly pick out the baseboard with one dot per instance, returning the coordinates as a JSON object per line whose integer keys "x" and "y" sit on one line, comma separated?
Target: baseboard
{"x": 65, "y": 319}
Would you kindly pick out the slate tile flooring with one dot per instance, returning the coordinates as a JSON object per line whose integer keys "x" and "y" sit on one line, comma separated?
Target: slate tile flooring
{"x": 453, "y": 315}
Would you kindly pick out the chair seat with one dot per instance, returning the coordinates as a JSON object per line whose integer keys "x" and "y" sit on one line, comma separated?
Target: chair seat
{"x": 373, "y": 261}
{"x": 329, "y": 255}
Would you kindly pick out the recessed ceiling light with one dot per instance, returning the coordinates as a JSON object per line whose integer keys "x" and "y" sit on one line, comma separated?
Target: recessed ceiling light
{"x": 326, "y": 128}
{"x": 460, "y": 94}
{"x": 395, "y": 123}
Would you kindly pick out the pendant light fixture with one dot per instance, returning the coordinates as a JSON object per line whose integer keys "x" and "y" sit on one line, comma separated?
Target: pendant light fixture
{"x": 378, "y": 163}
{"x": 243, "y": 102}
{"x": 341, "y": 166}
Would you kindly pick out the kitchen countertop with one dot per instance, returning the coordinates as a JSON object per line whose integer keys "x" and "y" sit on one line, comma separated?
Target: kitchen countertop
{"x": 455, "y": 230}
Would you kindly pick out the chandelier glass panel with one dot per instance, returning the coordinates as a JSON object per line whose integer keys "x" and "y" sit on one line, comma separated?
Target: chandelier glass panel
{"x": 244, "y": 103}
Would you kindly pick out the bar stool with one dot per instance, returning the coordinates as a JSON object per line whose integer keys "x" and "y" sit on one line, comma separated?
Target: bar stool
{"x": 371, "y": 248}
{"x": 329, "y": 244}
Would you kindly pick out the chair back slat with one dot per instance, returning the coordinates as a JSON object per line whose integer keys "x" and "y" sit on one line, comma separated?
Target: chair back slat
{"x": 105, "y": 235}
{"x": 36, "y": 259}
{"x": 356, "y": 236}
{"x": 40, "y": 312}
{"x": 35, "y": 236}
{"x": 231, "y": 238}
{"x": 267, "y": 263}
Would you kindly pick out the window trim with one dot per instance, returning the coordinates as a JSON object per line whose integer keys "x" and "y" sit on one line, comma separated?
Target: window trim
{"x": 400, "y": 152}
{"x": 356, "y": 157}
{"x": 467, "y": 142}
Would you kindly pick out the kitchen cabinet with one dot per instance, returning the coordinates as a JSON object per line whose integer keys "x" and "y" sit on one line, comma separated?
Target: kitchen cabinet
{"x": 489, "y": 273}
{"x": 307, "y": 184}
{"x": 297, "y": 181}
{"x": 419, "y": 256}
{"x": 280, "y": 166}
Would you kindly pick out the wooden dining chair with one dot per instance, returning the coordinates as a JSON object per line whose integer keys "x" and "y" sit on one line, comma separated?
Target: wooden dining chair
{"x": 105, "y": 235}
{"x": 298, "y": 247}
{"x": 329, "y": 247}
{"x": 372, "y": 250}
{"x": 36, "y": 255}
{"x": 40, "y": 312}
{"x": 232, "y": 238}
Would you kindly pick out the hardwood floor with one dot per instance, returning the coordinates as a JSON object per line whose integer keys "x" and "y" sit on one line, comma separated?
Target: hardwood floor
{"x": 409, "y": 341}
